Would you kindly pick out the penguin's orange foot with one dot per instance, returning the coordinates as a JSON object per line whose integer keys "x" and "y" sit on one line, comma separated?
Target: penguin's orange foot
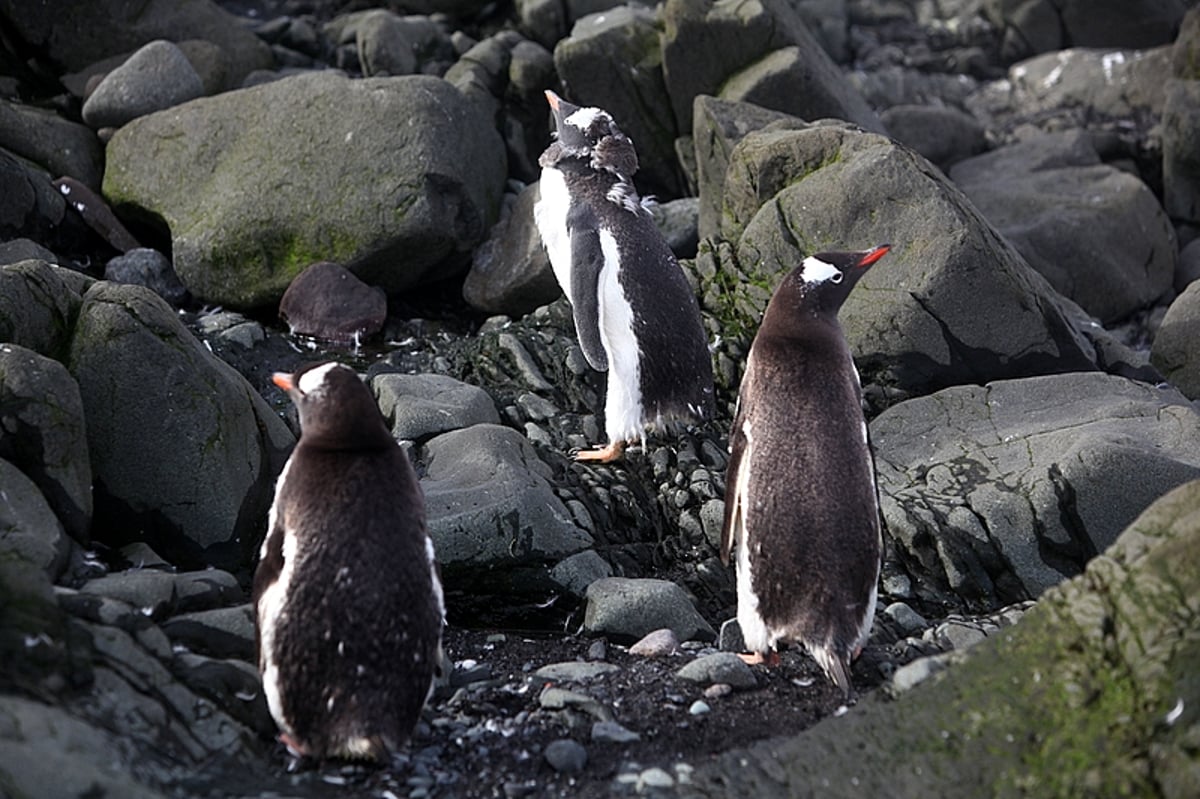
{"x": 606, "y": 454}
{"x": 294, "y": 747}
{"x": 770, "y": 660}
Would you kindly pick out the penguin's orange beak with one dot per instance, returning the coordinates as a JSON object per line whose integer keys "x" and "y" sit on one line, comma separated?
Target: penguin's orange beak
{"x": 283, "y": 380}
{"x": 871, "y": 256}
{"x": 553, "y": 99}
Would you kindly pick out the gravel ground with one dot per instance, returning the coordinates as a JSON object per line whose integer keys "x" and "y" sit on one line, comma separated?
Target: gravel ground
{"x": 489, "y": 734}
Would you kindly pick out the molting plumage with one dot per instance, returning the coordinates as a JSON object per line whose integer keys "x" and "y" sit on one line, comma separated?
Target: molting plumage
{"x": 802, "y": 510}
{"x": 635, "y": 314}
{"x": 348, "y": 603}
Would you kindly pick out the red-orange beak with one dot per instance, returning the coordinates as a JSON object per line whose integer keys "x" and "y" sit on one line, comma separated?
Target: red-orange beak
{"x": 871, "y": 256}
{"x": 553, "y": 99}
{"x": 283, "y": 380}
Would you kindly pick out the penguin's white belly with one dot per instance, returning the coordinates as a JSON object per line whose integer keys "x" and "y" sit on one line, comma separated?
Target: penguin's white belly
{"x": 550, "y": 216}
{"x": 272, "y": 613}
{"x": 623, "y": 406}
{"x": 755, "y": 635}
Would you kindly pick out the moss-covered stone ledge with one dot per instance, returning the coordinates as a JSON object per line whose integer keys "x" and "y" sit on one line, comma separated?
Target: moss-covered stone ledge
{"x": 1096, "y": 692}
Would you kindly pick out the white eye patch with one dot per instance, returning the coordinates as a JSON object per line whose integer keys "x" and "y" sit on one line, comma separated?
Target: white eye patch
{"x": 312, "y": 381}
{"x": 817, "y": 271}
{"x": 584, "y": 117}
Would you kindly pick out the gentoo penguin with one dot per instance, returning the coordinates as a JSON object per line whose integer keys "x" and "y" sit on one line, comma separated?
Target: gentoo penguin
{"x": 802, "y": 509}
{"x": 635, "y": 314}
{"x": 347, "y": 598}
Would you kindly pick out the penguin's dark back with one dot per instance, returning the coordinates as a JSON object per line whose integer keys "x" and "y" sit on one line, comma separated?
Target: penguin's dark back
{"x": 362, "y": 576}
{"x": 666, "y": 316}
{"x": 816, "y": 509}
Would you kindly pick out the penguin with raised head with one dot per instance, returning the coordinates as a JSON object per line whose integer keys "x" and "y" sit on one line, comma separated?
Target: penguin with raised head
{"x": 801, "y": 506}
{"x": 347, "y": 599}
{"x": 635, "y": 314}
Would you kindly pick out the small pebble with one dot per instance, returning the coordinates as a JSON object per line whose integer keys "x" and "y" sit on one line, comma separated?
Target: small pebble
{"x": 655, "y": 778}
{"x": 699, "y": 708}
{"x": 718, "y": 690}
{"x": 613, "y": 732}
{"x": 566, "y": 756}
{"x": 597, "y": 650}
{"x": 656, "y": 644}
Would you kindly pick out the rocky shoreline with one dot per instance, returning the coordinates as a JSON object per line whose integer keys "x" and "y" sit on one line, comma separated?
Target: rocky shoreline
{"x": 1030, "y": 356}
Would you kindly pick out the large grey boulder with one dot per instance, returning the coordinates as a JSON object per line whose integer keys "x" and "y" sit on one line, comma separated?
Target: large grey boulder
{"x": 613, "y": 60}
{"x": 1096, "y": 233}
{"x": 184, "y": 451}
{"x": 58, "y": 145}
{"x": 42, "y": 433}
{"x": 154, "y": 78}
{"x": 707, "y": 44}
{"x": 1037, "y": 26}
{"x": 397, "y": 179}
{"x": 1087, "y": 695}
{"x": 75, "y": 33}
{"x": 917, "y": 321}
{"x": 1176, "y": 348}
{"x": 492, "y": 512}
{"x": 992, "y": 494}
{"x": 31, "y": 530}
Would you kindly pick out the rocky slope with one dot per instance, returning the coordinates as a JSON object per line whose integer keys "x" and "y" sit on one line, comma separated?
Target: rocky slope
{"x": 1029, "y": 353}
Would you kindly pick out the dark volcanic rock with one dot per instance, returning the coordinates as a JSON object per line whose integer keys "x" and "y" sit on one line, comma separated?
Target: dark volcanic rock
{"x": 154, "y": 78}
{"x": 326, "y": 301}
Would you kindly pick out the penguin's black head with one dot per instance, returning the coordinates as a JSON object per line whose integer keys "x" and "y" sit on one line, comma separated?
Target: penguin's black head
{"x": 336, "y": 408}
{"x": 591, "y": 133}
{"x": 824, "y": 280}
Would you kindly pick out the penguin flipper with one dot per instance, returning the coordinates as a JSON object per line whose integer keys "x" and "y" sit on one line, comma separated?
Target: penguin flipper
{"x": 587, "y": 261}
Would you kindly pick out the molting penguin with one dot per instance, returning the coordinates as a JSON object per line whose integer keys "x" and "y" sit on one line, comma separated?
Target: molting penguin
{"x": 635, "y": 314}
{"x": 347, "y": 598}
{"x": 802, "y": 509}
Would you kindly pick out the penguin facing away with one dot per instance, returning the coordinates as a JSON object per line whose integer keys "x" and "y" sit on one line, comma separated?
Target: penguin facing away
{"x": 802, "y": 510}
{"x": 348, "y": 604}
{"x": 635, "y": 314}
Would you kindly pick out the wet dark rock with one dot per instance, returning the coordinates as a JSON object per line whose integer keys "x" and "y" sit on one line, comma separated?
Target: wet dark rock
{"x": 17, "y": 250}
{"x": 159, "y": 594}
{"x": 326, "y": 301}
{"x": 58, "y": 145}
{"x": 722, "y": 51}
{"x": 42, "y": 433}
{"x": 941, "y": 135}
{"x": 510, "y": 271}
{"x": 156, "y": 77}
{"x": 32, "y": 532}
{"x": 589, "y": 63}
{"x": 576, "y": 572}
{"x": 99, "y": 30}
{"x": 96, "y": 213}
{"x": 212, "y": 442}
{"x": 217, "y": 632}
{"x": 143, "y": 266}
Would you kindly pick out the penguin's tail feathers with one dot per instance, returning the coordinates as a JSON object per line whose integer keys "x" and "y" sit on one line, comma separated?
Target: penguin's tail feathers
{"x": 836, "y": 667}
